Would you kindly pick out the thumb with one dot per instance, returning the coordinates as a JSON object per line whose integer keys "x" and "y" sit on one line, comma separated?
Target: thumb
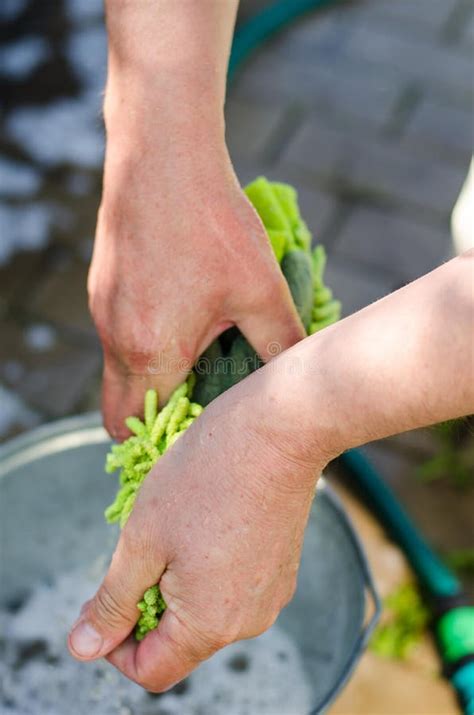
{"x": 166, "y": 656}
{"x": 110, "y": 616}
{"x": 273, "y": 325}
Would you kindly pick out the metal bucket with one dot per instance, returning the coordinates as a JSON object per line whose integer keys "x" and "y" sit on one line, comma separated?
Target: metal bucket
{"x": 52, "y": 495}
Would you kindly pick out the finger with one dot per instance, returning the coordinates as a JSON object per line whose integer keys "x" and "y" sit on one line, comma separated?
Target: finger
{"x": 109, "y": 617}
{"x": 123, "y": 392}
{"x": 166, "y": 656}
{"x": 273, "y": 324}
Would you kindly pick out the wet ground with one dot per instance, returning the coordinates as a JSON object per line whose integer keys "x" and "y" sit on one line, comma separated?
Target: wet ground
{"x": 367, "y": 109}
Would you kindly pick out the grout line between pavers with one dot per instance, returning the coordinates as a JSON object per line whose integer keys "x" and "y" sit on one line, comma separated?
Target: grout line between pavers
{"x": 405, "y": 107}
{"x": 451, "y": 33}
{"x": 338, "y": 220}
{"x": 383, "y": 272}
{"x": 291, "y": 121}
{"x": 344, "y": 190}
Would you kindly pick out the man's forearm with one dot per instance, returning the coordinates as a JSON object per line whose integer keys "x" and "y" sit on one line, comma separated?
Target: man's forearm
{"x": 404, "y": 362}
{"x": 168, "y": 62}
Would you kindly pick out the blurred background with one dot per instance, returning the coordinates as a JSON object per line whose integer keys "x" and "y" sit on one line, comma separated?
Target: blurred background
{"x": 367, "y": 109}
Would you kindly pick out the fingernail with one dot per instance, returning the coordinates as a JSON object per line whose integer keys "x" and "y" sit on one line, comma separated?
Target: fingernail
{"x": 85, "y": 641}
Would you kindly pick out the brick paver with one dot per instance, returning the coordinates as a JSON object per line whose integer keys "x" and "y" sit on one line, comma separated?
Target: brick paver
{"x": 51, "y": 378}
{"x": 355, "y": 35}
{"x": 421, "y": 16}
{"x": 349, "y": 96}
{"x": 430, "y": 64}
{"x": 379, "y": 169}
{"x": 446, "y": 131}
{"x": 355, "y": 285}
{"x": 250, "y": 127}
{"x": 468, "y": 35}
{"x": 399, "y": 246}
{"x": 62, "y": 299}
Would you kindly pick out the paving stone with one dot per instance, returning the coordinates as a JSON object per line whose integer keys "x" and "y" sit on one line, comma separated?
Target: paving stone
{"x": 318, "y": 209}
{"x": 248, "y": 171}
{"x": 18, "y": 277}
{"x": 18, "y": 179}
{"x": 389, "y": 242}
{"x": 355, "y": 286}
{"x": 375, "y": 168}
{"x": 468, "y": 34}
{"x": 249, "y": 127}
{"x": 248, "y": 8}
{"x": 430, "y": 64}
{"x": 351, "y": 95}
{"x": 412, "y": 17}
{"x": 444, "y": 129}
{"x": 320, "y": 33}
{"x": 24, "y": 227}
{"x": 91, "y": 397}
{"x": 355, "y": 37}
{"x": 81, "y": 11}
{"x": 61, "y": 297}
{"x": 52, "y": 380}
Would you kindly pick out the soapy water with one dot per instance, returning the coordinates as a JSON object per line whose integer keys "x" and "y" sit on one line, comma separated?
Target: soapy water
{"x": 263, "y": 676}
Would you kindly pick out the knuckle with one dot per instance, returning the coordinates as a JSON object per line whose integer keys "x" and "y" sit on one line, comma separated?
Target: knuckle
{"x": 197, "y": 644}
{"x": 128, "y": 344}
{"x": 108, "y": 608}
{"x": 268, "y": 290}
{"x": 200, "y": 646}
{"x": 219, "y": 639}
{"x": 138, "y": 544}
{"x": 224, "y": 630}
{"x": 131, "y": 542}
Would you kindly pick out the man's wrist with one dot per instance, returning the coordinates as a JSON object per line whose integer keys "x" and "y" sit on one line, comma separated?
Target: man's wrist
{"x": 167, "y": 61}
{"x": 161, "y": 115}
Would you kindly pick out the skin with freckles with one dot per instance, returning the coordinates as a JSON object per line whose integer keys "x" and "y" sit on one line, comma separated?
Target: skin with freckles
{"x": 219, "y": 522}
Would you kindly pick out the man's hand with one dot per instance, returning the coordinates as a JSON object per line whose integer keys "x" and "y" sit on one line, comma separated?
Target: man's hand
{"x": 175, "y": 263}
{"x": 180, "y": 254}
{"x": 219, "y": 523}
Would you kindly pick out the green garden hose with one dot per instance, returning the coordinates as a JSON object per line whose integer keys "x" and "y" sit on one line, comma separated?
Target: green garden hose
{"x": 453, "y": 616}
{"x": 453, "y": 621}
